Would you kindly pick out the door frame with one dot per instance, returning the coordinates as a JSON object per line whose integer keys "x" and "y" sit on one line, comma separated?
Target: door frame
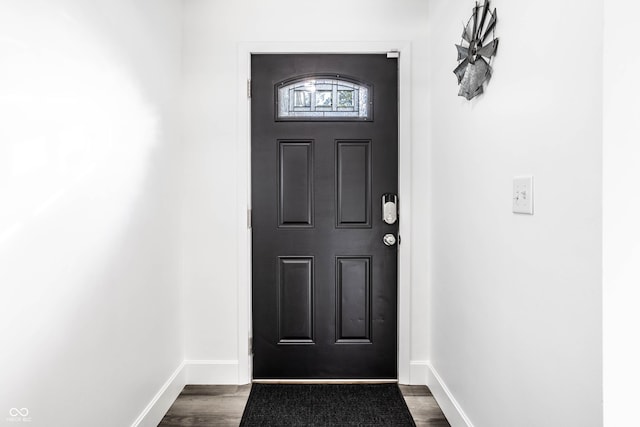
{"x": 243, "y": 189}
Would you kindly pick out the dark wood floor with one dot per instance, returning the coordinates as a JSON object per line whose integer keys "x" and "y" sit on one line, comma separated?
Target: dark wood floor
{"x": 222, "y": 405}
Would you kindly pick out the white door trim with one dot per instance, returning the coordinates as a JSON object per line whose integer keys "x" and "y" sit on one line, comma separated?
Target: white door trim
{"x": 244, "y": 186}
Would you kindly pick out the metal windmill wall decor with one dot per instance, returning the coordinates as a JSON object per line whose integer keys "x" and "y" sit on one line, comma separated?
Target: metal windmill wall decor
{"x": 475, "y": 51}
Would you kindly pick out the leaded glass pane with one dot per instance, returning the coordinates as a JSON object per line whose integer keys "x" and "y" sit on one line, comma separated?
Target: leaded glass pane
{"x": 345, "y": 98}
{"x": 323, "y": 98}
{"x": 302, "y": 99}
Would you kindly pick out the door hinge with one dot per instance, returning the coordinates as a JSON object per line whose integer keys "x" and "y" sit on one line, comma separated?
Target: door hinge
{"x": 248, "y": 88}
{"x": 250, "y": 346}
{"x": 249, "y": 218}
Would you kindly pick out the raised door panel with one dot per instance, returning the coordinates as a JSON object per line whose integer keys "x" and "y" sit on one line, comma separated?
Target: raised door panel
{"x": 295, "y": 300}
{"x": 353, "y": 286}
{"x": 295, "y": 178}
{"x": 353, "y": 198}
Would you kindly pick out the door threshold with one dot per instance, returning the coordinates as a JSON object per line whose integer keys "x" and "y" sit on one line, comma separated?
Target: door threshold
{"x": 323, "y": 381}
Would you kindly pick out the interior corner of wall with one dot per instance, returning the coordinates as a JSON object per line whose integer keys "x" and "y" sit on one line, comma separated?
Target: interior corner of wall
{"x": 445, "y": 398}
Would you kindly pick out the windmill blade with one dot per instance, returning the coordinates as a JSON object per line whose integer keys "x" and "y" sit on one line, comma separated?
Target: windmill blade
{"x": 461, "y": 70}
{"x": 475, "y": 21}
{"x": 468, "y": 94}
{"x": 466, "y": 32}
{"x": 463, "y": 52}
{"x": 473, "y": 80}
{"x": 487, "y": 51}
{"x": 484, "y": 68}
{"x": 485, "y": 10}
{"x": 474, "y": 77}
{"x": 491, "y": 25}
{"x": 463, "y": 92}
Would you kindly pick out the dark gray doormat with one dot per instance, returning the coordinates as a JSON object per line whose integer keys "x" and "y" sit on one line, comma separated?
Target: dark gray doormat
{"x": 326, "y": 405}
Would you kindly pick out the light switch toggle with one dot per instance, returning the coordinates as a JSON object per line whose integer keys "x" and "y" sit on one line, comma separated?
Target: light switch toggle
{"x": 523, "y": 195}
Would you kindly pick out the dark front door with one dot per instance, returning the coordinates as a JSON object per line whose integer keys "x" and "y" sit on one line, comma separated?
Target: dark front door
{"x": 324, "y": 152}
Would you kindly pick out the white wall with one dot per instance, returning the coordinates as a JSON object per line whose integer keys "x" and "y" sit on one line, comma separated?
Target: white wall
{"x": 213, "y": 32}
{"x": 515, "y": 301}
{"x": 89, "y": 203}
{"x": 621, "y": 227}
{"x": 92, "y": 247}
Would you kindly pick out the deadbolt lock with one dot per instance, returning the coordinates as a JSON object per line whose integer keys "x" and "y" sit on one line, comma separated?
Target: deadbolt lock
{"x": 389, "y": 208}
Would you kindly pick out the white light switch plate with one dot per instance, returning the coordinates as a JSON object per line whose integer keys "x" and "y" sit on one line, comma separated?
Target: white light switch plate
{"x": 523, "y": 195}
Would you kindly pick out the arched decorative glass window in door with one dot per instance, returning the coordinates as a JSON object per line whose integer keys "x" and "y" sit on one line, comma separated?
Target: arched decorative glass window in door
{"x": 324, "y": 97}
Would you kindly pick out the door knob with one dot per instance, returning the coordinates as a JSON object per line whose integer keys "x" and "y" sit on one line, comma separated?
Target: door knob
{"x": 389, "y": 239}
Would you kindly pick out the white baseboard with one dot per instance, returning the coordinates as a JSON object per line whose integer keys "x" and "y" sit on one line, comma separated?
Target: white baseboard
{"x": 226, "y": 372}
{"x": 211, "y": 371}
{"x": 162, "y": 401}
{"x": 418, "y": 372}
{"x": 217, "y": 372}
{"x": 452, "y": 410}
